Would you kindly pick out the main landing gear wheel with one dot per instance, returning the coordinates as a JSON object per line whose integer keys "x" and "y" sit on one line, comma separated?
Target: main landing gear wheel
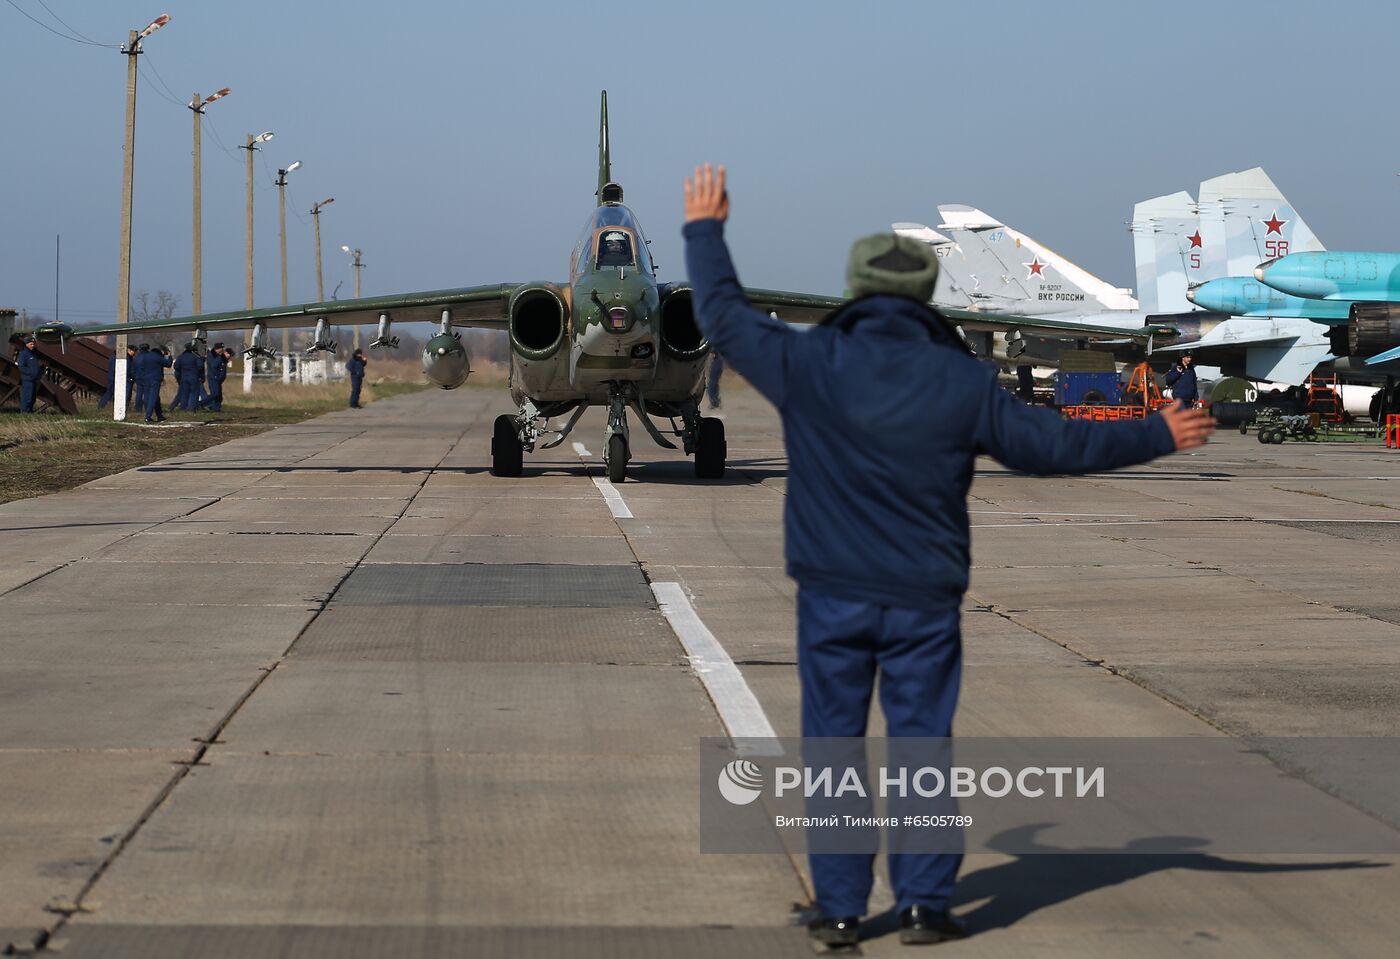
{"x": 507, "y": 453}
{"x": 617, "y": 458}
{"x": 710, "y": 449}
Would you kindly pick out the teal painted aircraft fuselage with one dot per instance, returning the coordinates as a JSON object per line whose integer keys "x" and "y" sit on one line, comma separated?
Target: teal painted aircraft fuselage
{"x": 1242, "y": 296}
{"x": 1354, "y": 277}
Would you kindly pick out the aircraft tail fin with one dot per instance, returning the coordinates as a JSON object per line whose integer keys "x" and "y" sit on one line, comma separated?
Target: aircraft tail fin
{"x": 1049, "y": 282}
{"x": 1167, "y": 252}
{"x": 604, "y": 160}
{"x": 1253, "y": 221}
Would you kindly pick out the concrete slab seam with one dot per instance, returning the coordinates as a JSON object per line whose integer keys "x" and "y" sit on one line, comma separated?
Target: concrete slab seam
{"x": 65, "y": 916}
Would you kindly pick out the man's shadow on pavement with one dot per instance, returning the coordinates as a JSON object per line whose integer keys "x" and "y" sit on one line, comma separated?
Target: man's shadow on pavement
{"x": 1042, "y": 876}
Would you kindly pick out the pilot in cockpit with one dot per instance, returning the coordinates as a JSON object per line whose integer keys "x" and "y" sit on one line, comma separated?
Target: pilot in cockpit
{"x": 615, "y": 250}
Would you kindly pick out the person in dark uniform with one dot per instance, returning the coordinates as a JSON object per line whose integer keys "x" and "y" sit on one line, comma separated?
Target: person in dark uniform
{"x": 1182, "y": 379}
{"x": 139, "y": 375}
{"x": 712, "y": 382}
{"x": 884, "y": 413}
{"x": 131, "y": 391}
{"x": 187, "y": 370}
{"x": 111, "y": 390}
{"x": 30, "y": 370}
{"x": 356, "y": 368}
{"x": 215, "y": 369}
{"x": 149, "y": 377}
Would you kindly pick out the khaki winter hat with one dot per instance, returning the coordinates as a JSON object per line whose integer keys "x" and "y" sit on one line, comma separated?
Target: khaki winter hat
{"x": 892, "y": 264}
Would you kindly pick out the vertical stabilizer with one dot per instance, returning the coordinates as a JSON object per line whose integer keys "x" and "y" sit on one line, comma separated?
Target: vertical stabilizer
{"x": 604, "y": 162}
{"x": 1052, "y": 283}
{"x": 1167, "y": 251}
{"x": 950, "y": 289}
{"x": 1252, "y": 221}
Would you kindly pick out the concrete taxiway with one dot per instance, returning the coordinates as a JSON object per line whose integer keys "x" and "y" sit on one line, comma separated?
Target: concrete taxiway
{"x": 335, "y": 690}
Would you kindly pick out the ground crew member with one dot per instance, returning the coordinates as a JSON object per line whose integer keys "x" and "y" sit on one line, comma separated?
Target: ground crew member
{"x": 356, "y": 368}
{"x": 215, "y": 369}
{"x": 1182, "y": 379}
{"x": 139, "y": 375}
{"x": 712, "y": 382}
{"x": 30, "y": 369}
{"x": 131, "y": 390}
{"x": 884, "y": 413}
{"x": 111, "y": 392}
{"x": 187, "y": 369}
{"x": 148, "y": 377}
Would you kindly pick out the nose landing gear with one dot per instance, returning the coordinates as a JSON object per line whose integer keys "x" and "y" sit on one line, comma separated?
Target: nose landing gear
{"x": 617, "y": 449}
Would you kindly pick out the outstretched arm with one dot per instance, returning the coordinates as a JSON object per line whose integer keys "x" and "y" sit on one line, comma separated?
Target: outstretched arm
{"x": 751, "y": 341}
{"x": 1038, "y": 441}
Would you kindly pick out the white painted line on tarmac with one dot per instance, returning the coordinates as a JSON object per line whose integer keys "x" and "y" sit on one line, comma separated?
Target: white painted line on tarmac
{"x": 616, "y": 504}
{"x": 1038, "y": 512}
{"x": 614, "y": 499}
{"x": 739, "y": 709}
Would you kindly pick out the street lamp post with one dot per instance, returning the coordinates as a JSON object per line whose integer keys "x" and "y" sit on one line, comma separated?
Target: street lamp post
{"x": 197, "y": 106}
{"x": 282, "y": 234}
{"x": 316, "y": 213}
{"x": 250, "y": 146}
{"x": 132, "y": 51}
{"x": 359, "y": 265}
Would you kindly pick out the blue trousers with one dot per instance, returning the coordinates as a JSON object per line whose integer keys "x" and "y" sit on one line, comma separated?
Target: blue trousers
{"x": 842, "y": 647}
{"x": 151, "y": 400}
{"x": 186, "y": 394}
{"x": 27, "y": 389}
{"x": 355, "y": 383}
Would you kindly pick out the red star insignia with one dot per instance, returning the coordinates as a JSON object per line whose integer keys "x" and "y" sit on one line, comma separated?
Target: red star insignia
{"x": 1274, "y": 224}
{"x": 1034, "y": 267}
{"x": 1195, "y": 239}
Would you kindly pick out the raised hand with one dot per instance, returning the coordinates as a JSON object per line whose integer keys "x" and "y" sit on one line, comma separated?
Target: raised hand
{"x": 705, "y": 196}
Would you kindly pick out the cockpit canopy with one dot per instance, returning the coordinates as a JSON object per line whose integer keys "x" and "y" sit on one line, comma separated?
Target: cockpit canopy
{"x": 615, "y": 248}
{"x": 611, "y": 238}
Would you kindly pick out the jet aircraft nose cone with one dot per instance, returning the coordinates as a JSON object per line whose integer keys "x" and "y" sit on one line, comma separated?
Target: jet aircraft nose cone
{"x": 1259, "y": 273}
{"x": 1190, "y": 295}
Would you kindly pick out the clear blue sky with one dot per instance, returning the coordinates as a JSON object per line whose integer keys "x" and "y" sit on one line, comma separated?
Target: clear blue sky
{"x": 459, "y": 139}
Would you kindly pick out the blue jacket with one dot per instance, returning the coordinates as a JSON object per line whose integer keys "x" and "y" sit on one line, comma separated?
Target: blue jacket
{"x": 29, "y": 368}
{"x": 1182, "y": 379}
{"x": 216, "y": 367}
{"x": 355, "y": 367}
{"x": 188, "y": 365}
{"x": 884, "y": 414}
{"x": 149, "y": 367}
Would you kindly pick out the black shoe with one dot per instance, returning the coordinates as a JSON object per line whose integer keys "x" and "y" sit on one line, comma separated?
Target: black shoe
{"x": 838, "y": 933}
{"x": 922, "y": 926}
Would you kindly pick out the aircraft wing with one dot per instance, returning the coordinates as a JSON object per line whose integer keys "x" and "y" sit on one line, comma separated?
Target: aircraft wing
{"x": 974, "y": 321}
{"x": 485, "y": 306}
{"x": 809, "y": 308}
{"x": 794, "y": 307}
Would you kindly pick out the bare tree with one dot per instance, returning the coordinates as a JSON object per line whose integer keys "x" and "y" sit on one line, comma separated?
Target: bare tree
{"x": 163, "y": 307}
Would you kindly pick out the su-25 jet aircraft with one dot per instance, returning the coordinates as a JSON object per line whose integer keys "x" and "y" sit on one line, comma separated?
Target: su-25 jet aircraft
{"x": 611, "y": 335}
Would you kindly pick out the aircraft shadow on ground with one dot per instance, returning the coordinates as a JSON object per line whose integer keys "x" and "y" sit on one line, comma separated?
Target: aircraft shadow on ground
{"x": 1042, "y": 876}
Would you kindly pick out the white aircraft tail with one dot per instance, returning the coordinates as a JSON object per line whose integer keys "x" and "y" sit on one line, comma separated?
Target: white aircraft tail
{"x": 1047, "y": 282}
{"x": 1246, "y": 218}
{"x": 1168, "y": 252}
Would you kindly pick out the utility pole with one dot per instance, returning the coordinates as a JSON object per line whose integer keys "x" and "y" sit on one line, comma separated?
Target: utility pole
{"x": 282, "y": 235}
{"x": 316, "y": 213}
{"x": 119, "y": 393}
{"x": 250, "y": 146}
{"x": 197, "y": 106}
